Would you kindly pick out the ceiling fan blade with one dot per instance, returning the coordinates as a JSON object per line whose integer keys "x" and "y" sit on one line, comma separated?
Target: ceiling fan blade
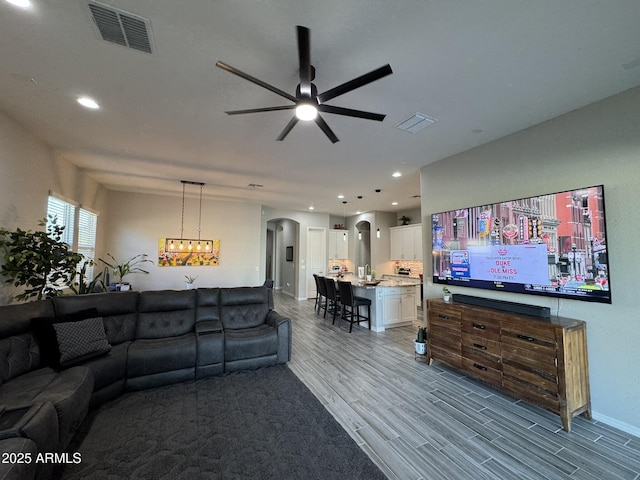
{"x": 351, "y": 113}
{"x": 325, "y": 128}
{"x": 355, "y": 83}
{"x": 258, "y": 110}
{"x": 251, "y": 79}
{"x": 288, "y": 128}
{"x": 304, "y": 56}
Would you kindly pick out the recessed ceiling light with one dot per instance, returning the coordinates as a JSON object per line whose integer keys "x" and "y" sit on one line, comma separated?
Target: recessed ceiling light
{"x": 396, "y": 174}
{"x": 312, "y": 208}
{"x": 394, "y": 203}
{"x": 20, "y": 3}
{"x": 341, "y": 196}
{"x": 88, "y": 102}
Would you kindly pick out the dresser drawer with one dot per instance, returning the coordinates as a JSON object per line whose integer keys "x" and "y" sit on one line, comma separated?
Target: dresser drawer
{"x": 536, "y": 379}
{"x": 482, "y": 370}
{"x": 481, "y": 344}
{"x": 481, "y": 324}
{"x": 446, "y": 355}
{"x": 539, "y": 396}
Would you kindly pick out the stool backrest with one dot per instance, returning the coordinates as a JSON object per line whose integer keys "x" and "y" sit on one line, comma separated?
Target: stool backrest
{"x": 331, "y": 288}
{"x": 322, "y": 288}
{"x": 346, "y": 292}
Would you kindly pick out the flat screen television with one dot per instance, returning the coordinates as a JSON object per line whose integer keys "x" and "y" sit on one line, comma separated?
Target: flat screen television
{"x": 553, "y": 245}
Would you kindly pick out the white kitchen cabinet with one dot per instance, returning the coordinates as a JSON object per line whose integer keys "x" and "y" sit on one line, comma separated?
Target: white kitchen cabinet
{"x": 338, "y": 244}
{"x": 398, "y": 306}
{"x": 406, "y": 242}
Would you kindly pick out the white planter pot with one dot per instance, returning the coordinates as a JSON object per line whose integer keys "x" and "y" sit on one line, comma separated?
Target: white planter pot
{"x": 420, "y": 347}
{"x": 189, "y": 286}
{"x": 447, "y": 298}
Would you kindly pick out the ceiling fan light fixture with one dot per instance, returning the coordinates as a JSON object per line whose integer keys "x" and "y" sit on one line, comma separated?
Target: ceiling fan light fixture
{"x": 306, "y": 112}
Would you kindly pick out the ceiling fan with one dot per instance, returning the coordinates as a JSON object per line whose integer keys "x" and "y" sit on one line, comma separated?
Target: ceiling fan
{"x": 307, "y": 102}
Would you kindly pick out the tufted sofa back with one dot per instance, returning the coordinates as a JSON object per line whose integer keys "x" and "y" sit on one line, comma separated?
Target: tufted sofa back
{"x": 166, "y": 313}
{"x": 208, "y": 304}
{"x": 19, "y": 352}
{"x": 243, "y": 307}
{"x": 118, "y": 312}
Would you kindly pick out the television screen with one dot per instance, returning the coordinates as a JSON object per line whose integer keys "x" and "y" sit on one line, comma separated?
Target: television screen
{"x": 554, "y": 244}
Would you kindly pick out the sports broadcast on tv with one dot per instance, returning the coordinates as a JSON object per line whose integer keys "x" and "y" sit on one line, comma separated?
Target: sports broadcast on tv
{"x": 553, "y": 244}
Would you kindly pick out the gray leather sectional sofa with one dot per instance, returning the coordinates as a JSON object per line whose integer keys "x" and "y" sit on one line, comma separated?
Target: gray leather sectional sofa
{"x": 57, "y": 360}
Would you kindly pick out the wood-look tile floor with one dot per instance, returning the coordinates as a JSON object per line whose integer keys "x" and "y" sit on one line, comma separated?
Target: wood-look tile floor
{"x": 417, "y": 421}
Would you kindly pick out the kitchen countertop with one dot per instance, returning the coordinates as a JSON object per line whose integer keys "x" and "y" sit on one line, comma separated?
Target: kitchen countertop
{"x": 357, "y": 282}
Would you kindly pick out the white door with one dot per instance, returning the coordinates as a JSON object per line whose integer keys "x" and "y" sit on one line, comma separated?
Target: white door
{"x": 316, "y": 254}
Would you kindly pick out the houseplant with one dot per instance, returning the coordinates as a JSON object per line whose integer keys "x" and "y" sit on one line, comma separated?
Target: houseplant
{"x": 420, "y": 342}
{"x": 405, "y": 220}
{"x": 82, "y": 287}
{"x": 120, "y": 270}
{"x": 446, "y": 294}
{"x": 39, "y": 261}
{"x": 189, "y": 281}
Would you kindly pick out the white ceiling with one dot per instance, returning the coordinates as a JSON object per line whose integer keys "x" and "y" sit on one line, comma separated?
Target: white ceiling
{"x": 484, "y": 69}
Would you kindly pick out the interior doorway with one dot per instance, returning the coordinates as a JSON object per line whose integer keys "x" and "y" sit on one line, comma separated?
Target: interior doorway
{"x": 316, "y": 257}
{"x": 362, "y": 237}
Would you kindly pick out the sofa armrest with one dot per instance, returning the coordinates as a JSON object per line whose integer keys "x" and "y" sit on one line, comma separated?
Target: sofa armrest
{"x": 275, "y": 319}
{"x": 208, "y": 327}
{"x": 283, "y": 326}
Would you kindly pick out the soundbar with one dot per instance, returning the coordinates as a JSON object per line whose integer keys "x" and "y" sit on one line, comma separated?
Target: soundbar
{"x": 521, "y": 308}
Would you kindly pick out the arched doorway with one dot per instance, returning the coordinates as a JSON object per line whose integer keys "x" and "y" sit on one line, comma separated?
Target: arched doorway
{"x": 282, "y": 249}
{"x": 362, "y": 244}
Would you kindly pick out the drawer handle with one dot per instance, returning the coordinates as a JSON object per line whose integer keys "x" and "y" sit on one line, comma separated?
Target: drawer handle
{"x": 526, "y": 338}
{"x": 446, "y": 317}
{"x": 478, "y": 326}
{"x": 480, "y": 367}
{"x": 481, "y": 347}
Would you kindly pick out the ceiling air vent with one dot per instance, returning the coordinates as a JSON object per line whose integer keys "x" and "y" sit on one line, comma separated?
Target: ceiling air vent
{"x": 416, "y": 122}
{"x": 123, "y": 28}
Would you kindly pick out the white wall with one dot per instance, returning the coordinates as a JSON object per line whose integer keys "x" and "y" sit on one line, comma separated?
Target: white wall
{"x": 29, "y": 169}
{"x": 598, "y": 144}
{"x": 136, "y": 222}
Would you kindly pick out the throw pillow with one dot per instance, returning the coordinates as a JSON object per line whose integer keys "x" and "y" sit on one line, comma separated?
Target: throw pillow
{"x": 79, "y": 341}
{"x": 46, "y": 335}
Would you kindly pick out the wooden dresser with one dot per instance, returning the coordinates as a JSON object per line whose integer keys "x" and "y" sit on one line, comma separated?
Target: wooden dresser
{"x": 543, "y": 361}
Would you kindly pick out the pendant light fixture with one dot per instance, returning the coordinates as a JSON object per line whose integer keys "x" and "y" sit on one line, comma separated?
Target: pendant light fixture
{"x": 376, "y": 217}
{"x": 189, "y": 244}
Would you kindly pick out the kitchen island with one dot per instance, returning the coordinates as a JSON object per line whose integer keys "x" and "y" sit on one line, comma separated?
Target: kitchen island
{"x": 394, "y": 302}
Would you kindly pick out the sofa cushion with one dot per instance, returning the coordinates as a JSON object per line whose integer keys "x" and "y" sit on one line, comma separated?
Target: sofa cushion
{"x": 79, "y": 341}
{"x": 19, "y": 354}
{"x": 46, "y": 335}
{"x": 119, "y": 311}
{"x": 23, "y": 389}
{"x": 161, "y": 355}
{"x": 166, "y": 313}
{"x": 69, "y": 392}
{"x": 243, "y": 307}
{"x": 16, "y": 319}
{"x": 250, "y": 343}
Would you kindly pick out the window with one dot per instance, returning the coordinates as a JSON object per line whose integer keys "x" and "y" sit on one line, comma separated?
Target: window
{"x": 65, "y": 214}
{"x": 80, "y": 227}
{"x": 87, "y": 223}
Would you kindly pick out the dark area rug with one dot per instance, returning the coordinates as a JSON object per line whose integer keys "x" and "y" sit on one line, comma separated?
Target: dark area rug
{"x": 258, "y": 424}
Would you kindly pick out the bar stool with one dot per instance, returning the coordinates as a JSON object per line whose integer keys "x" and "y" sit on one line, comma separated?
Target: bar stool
{"x": 317, "y": 299}
{"x": 333, "y": 299}
{"x": 322, "y": 289}
{"x": 348, "y": 299}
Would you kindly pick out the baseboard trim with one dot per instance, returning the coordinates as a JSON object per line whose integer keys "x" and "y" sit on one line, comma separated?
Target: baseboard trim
{"x": 612, "y": 422}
